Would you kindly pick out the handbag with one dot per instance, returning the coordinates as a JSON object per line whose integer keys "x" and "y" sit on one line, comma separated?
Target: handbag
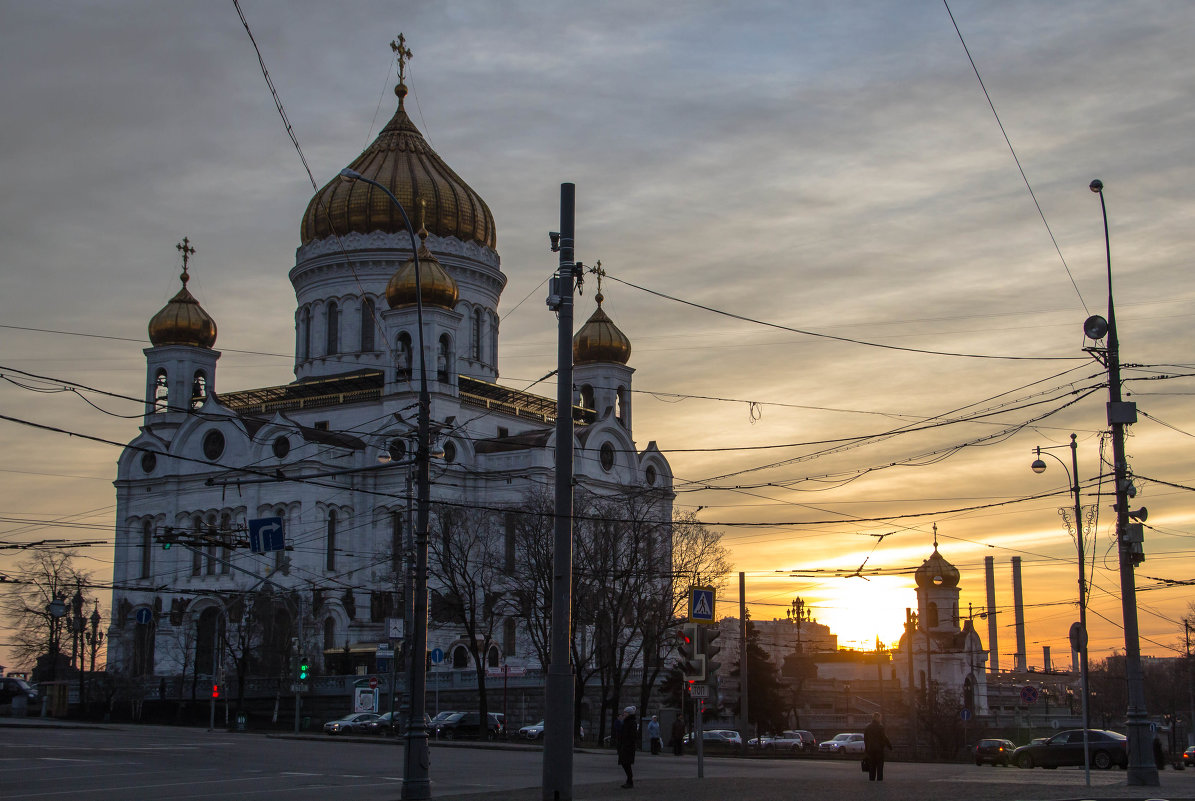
{"x": 865, "y": 765}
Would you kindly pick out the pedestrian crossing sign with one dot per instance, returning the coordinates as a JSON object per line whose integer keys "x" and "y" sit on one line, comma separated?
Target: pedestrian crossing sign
{"x": 701, "y": 605}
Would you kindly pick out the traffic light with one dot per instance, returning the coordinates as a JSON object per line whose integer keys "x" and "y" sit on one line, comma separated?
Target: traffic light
{"x": 167, "y": 538}
{"x": 710, "y": 649}
{"x": 215, "y": 690}
{"x": 304, "y": 668}
{"x": 692, "y": 663}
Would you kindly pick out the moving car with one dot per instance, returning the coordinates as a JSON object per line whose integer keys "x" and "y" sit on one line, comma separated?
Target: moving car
{"x": 998, "y": 752}
{"x": 465, "y": 725}
{"x": 842, "y": 744}
{"x": 795, "y": 740}
{"x": 16, "y": 691}
{"x": 1107, "y": 748}
{"x": 1189, "y": 756}
{"x": 392, "y": 725}
{"x": 532, "y": 732}
{"x": 351, "y": 724}
{"x": 717, "y": 738}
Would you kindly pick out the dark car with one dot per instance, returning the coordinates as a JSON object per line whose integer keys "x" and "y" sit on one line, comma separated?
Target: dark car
{"x": 392, "y": 723}
{"x": 998, "y": 752}
{"x": 351, "y": 724}
{"x": 17, "y": 691}
{"x": 464, "y": 725}
{"x": 1107, "y": 748}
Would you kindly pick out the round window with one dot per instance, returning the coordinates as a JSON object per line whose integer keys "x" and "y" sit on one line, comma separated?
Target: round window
{"x": 607, "y": 456}
{"x": 650, "y": 475}
{"x": 281, "y": 447}
{"x": 450, "y": 451}
{"x": 213, "y": 444}
{"x": 149, "y": 460}
{"x": 396, "y": 449}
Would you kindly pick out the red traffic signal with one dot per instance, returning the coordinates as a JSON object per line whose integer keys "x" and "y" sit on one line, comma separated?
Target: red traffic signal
{"x": 215, "y": 691}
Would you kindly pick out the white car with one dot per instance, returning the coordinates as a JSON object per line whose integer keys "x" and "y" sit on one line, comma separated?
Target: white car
{"x": 351, "y": 724}
{"x": 842, "y": 744}
{"x": 532, "y": 732}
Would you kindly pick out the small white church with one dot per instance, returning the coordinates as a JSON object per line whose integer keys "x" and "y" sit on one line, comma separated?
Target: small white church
{"x": 328, "y": 453}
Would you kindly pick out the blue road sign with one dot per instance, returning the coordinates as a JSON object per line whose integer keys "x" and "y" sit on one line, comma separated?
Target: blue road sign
{"x": 964, "y": 714}
{"x": 266, "y": 534}
{"x": 144, "y": 615}
{"x": 701, "y": 604}
{"x": 437, "y": 656}
{"x": 1029, "y": 695}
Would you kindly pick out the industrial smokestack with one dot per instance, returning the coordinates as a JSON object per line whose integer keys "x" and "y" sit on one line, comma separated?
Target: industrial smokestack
{"x": 1018, "y": 602}
{"x": 989, "y": 575}
{"x": 1045, "y": 656}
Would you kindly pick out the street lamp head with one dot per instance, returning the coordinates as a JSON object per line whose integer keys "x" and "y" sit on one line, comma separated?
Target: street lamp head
{"x": 1096, "y": 186}
{"x": 1038, "y": 466}
{"x": 1095, "y": 327}
{"x": 349, "y": 175}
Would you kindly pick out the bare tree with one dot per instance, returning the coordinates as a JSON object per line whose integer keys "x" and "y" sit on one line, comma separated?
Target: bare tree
{"x": 36, "y": 633}
{"x": 468, "y": 563}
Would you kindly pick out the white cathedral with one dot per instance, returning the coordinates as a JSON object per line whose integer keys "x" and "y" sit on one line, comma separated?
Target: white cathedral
{"x": 206, "y": 461}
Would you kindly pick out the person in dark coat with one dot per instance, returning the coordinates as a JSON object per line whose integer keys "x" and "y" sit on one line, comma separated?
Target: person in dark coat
{"x": 678, "y": 737}
{"x": 874, "y": 743}
{"x": 628, "y": 743}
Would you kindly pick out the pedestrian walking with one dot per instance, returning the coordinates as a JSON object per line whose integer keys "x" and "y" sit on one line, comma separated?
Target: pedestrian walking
{"x": 653, "y": 734}
{"x": 678, "y": 736}
{"x": 874, "y": 743}
{"x": 627, "y": 744}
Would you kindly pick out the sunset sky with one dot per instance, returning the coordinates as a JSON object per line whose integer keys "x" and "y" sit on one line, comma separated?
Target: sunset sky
{"x": 812, "y": 168}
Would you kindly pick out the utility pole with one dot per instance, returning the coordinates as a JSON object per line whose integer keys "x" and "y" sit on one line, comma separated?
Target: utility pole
{"x": 910, "y": 631}
{"x": 743, "y": 705}
{"x": 1142, "y": 771}
{"x": 558, "y": 716}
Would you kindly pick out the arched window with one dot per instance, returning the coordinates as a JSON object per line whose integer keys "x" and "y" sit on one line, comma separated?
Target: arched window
{"x": 213, "y": 548}
{"x": 402, "y": 356}
{"x": 147, "y": 541}
{"x": 305, "y": 334}
{"x": 199, "y": 389}
{"x": 196, "y": 554}
{"x": 493, "y": 318}
{"x": 460, "y": 657}
{"x": 492, "y": 657}
{"x": 444, "y": 359}
{"x": 329, "y": 634}
{"x": 367, "y": 325}
{"x": 161, "y": 391}
{"x": 330, "y": 554}
{"x": 931, "y": 613}
{"x": 477, "y": 335}
{"x": 510, "y": 635}
{"x": 587, "y": 396}
{"x": 620, "y": 405}
{"x": 208, "y": 631}
{"x": 280, "y": 555}
{"x": 225, "y": 539}
{"x": 333, "y": 342}
{"x": 396, "y": 543}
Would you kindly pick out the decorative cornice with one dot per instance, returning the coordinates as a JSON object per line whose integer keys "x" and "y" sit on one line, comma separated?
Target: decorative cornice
{"x": 379, "y": 240}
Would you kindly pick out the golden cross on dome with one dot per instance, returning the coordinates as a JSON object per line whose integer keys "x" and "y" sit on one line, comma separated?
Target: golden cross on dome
{"x": 188, "y": 251}
{"x": 403, "y": 53}
{"x": 935, "y": 536}
{"x": 599, "y": 272}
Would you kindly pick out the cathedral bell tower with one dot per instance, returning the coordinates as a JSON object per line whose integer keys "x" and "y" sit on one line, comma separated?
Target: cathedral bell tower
{"x": 938, "y": 593}
{"x": 601, "y": 377}
{"x": 181, "y": 365}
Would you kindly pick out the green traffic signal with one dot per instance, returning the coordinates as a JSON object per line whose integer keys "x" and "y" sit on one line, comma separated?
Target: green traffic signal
{"x": 304, "y": 669}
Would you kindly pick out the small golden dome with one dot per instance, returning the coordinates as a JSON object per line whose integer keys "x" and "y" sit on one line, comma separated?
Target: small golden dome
{"x": 439, "y": 288}
{"x": 183, "y": 321}
{"x": 936, "y": 572}
{"x": 599, "y": 340}
{"x": 401, "y": 160}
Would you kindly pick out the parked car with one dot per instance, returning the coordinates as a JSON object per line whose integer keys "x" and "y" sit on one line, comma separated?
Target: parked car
{"x": 717, "y": 738}
{"x": 532, "y": 732}
{"x": 351, "y": 724}
{"x": 795, "y": 741}
{"x": 392, "y": 725}
{"x": 843, "y": 744}
{"x": 1189, "y": 756}
{"x": 1107, "y": 748}
{"x": 763, "y": 742}
{"x": 998, "y": 752}
{"x": 465, "y": 725}
{"x": 13, "y": 688}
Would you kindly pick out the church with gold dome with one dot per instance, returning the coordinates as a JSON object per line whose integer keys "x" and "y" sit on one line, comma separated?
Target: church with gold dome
{"x": 327, "y": 456}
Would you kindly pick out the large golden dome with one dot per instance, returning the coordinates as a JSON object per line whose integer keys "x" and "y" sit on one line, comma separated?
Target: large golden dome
{"x": 183, "y": 321}
{"x": 438, "y": 287}
{"x": 402, "y": 161}
{"x": 599, "y": 340}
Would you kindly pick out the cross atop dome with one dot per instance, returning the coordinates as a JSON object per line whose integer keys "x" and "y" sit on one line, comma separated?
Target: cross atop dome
{"x": 188, "y": 251}
{"x": 403, "y": 54}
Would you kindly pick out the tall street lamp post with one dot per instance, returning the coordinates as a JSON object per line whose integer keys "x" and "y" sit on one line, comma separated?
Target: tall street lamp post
{"x": 416, "y": 782}
{"x": 1142, "y": 771}
{"x": 1078, "y": 638}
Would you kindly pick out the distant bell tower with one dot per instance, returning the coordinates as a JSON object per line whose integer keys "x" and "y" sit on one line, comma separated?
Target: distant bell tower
{"x": 600, "y": 355}
{"x": 181, "y": 364}
{"x": 938, "y": 593}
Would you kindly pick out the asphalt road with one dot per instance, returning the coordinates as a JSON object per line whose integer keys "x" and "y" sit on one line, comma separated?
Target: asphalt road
{"x": 139, "y": 763}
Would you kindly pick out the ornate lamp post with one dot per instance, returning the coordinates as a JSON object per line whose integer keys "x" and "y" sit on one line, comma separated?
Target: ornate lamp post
{"x": 95, "y": 637}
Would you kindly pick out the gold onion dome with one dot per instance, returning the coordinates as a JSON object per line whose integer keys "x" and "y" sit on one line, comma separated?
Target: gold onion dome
{"x": 401, "y": 160}
{"x": 439, "y": 288}
{"x": 183, "y": 321}
{"x": 936, "y": 572}
{"x": 599, "y": 340}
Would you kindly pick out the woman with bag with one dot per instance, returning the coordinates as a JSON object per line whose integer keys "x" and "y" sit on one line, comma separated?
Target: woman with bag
{"x": 874, "y": 743}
